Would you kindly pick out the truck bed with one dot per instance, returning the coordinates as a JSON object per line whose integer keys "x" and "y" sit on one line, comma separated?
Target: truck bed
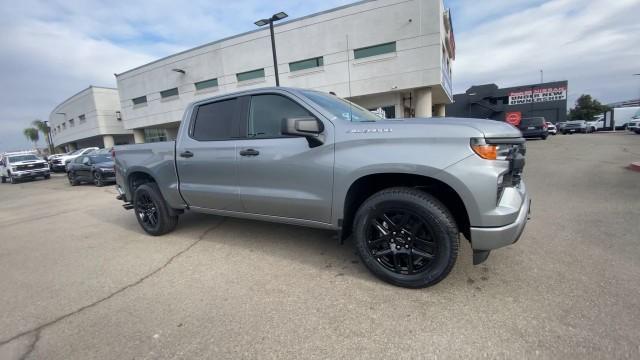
{"x": 155, "y": 159}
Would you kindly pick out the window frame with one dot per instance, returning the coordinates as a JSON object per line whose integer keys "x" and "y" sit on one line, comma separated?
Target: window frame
{"x": 244, "y": 125}
{"x": 235, "y": 123}
{"x": 173, "y": 92}
{"x": 133, "y": 100}
{"x": 395, "y": 50}
{"x": 319, "y": 64}
{"x": 195, "y": 84}
{"x": 264, "y": 75}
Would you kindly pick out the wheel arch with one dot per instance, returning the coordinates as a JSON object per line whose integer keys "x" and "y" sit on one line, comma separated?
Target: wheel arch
{"x": 367, "y": 185}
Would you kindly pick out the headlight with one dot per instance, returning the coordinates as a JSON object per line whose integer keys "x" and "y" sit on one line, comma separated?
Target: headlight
{"x": 493, "y": 151}
{"x": 14, "y": 169}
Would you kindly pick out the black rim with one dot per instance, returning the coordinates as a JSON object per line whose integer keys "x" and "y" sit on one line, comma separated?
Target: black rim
{"x": 147, "y": 210}
{"x": 401, "y": 241}
{"x": 97, "y": 178}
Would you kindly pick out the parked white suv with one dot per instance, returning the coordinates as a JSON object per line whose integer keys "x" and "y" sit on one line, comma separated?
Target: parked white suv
{"x": 60, "y": 163}
{"x": 22, "y": 165}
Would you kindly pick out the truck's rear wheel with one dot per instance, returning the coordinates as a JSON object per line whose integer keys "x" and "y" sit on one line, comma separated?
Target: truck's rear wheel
{"x": 151, "y": 210}
{"x": 406, "y": 237}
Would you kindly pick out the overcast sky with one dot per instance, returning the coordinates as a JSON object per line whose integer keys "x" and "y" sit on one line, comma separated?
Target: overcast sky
{"x": 51, "y": 49}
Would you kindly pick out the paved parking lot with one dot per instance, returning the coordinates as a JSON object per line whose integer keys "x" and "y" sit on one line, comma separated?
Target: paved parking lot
{"x": 79, "y": 279}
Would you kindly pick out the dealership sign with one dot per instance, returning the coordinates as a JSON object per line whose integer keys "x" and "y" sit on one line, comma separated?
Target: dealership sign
{"x": 538, "y": 95}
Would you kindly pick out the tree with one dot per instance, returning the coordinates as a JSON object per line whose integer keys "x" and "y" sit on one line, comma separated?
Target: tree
{"x": 32, "y": 135}
{"x": 45, "y": 130}
{"x": 587, "y": 108}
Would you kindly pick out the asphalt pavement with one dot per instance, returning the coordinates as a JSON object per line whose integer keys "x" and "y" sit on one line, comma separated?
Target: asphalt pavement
{"x": 80, "y": 280}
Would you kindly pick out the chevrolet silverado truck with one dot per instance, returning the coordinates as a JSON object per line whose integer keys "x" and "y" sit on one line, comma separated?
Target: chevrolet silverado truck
{"x": 402, "y": 189}
{"x": 18, "y": 166}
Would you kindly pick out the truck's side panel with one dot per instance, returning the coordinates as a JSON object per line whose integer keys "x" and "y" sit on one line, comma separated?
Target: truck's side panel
{"x": 156, "y": 160}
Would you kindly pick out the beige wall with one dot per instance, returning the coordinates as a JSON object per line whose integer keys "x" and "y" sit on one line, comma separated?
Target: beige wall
{"x": 415, "y": 26}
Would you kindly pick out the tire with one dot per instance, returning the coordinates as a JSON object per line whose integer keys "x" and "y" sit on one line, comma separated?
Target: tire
{"x": 97, "y": 179}
{"x": 151, "y": 210}
{"x": 4, "y": 179}
{"x": 544, "y": 138}
{"x": 47, "y": 177}
{"x": 12, "y": 180}
{"x": 416, "y": 226}
{"x": 72, "y": 179}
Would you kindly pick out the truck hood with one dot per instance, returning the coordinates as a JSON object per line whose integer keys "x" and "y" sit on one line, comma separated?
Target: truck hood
{"x": 27, "y": 162}
{"x": 482, "y": 127}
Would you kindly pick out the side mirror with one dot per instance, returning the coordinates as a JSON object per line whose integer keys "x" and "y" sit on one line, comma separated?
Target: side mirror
{"x": 308, "y": 127}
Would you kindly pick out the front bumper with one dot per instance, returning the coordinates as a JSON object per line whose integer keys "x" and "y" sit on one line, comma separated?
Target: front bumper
{"x": 489, "y": 238}
{"x": 30, "y": 173}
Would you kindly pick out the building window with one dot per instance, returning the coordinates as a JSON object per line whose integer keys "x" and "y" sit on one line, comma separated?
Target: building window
{"x": 155, "y": 135}
{"x": 82, "y": 119}
{"x": 139, "y": 100}
{"x": 169, "y": 93}
{"x": 374, "y": 50}
{"x": 201, "y": 85}
{"x": 72, "y": 123}
{"x": 250, "y": 75}
{"x": 306, "y": 64}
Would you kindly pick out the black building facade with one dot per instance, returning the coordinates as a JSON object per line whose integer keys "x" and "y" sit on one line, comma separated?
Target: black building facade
{"x": 508, "y": 104}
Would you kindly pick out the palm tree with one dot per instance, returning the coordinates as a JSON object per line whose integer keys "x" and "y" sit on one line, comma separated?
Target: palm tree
{"x": 32, "y": 135}
{"x": 44, "y": 128}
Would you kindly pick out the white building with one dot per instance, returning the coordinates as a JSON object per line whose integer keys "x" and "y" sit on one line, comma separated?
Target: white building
{"x": 389, "y": 54}
{"x": 89, "y": 118}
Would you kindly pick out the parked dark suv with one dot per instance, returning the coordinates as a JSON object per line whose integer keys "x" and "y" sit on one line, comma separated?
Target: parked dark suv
{"x": 534, "y": 127}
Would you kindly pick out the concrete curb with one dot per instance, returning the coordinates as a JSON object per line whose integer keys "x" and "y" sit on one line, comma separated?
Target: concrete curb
{"x": 635, "y": 166}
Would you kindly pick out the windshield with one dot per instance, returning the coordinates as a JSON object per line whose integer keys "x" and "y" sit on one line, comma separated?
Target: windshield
{"x": 22, "y": 158}
{"x": 341, "y": 108}
{"x": 100, "y": 158}
{"x": 77, "y": 152}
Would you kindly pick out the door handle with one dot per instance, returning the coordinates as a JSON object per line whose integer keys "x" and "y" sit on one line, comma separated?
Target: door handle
{"x": 186, "y": 154}
{"x": 249, "y": 152}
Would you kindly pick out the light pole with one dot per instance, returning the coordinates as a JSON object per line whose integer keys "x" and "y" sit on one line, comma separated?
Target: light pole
{"x": 279, "y": 16}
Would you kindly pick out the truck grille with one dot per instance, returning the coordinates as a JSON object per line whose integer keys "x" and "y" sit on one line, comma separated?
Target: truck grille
{"x": 30, "y": 166}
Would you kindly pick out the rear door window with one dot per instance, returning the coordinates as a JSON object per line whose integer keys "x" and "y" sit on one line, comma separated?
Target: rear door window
{"x": 215, "y": 121}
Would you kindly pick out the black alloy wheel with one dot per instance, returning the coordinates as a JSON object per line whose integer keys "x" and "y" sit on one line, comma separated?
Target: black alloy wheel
{"x": 152, "y": 211}
{"x": 400, "y": 240}
{"x": 72, "y": 179}
{"x": 97, "y": 179}
{"x": 406, "y": 237}
{"x": 147, "y": 211}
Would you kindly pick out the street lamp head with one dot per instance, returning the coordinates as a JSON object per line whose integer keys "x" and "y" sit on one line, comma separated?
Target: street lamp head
{"x": 279, "y": 16}
{"x": 262, "y": 22}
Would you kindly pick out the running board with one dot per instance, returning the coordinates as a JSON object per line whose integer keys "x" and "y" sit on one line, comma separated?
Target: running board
{"x": 127, "y": 206}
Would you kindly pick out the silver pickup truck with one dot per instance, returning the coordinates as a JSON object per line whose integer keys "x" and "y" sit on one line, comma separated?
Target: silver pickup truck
{"x": 402, "y": 189}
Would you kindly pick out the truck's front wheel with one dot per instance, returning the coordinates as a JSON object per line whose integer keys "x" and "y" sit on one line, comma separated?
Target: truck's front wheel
{"x": 406, "y": 237}
{"x": 151, "y": 210}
